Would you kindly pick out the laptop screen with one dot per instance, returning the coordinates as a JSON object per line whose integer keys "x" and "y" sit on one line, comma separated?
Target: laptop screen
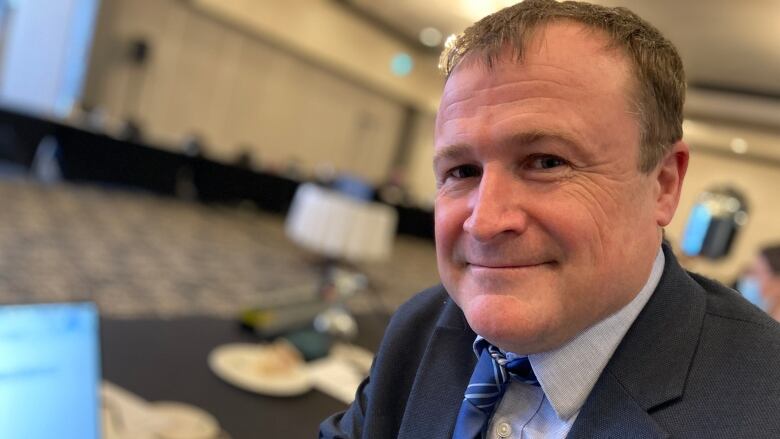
{"x": 49, "y": 371}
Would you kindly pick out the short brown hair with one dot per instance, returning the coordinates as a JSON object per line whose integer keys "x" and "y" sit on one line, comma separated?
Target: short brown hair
{"x": 660, "y": 79}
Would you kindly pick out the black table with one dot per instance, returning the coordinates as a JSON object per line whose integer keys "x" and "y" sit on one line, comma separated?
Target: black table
{"x": 166, "y": 360}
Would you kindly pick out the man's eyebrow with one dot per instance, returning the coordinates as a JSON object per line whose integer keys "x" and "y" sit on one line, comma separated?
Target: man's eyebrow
{"x": 452, "y": 152}
{"x": 527, "y": 138}
{"x": 557, "y": 137}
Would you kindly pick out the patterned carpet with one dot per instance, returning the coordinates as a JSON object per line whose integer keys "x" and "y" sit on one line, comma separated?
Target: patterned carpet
{"x": 138, "y": 254}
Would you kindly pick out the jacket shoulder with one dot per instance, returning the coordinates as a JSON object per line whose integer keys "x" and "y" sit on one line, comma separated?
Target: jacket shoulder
{"x": 423, "y": 308}
{"x": 733, "y": 384}
{"x": 412, "y": 325}
{"x": 727, "y": 304}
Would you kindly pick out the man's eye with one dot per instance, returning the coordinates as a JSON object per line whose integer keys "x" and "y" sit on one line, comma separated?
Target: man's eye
{"x": 466, "y": 171}
{"x": 547, "y": 162}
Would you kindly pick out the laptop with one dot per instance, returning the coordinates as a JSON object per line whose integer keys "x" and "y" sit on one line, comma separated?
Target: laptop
{"x": 49, "y": 371}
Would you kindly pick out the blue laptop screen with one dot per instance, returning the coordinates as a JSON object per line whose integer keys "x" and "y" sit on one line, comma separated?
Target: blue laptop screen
{"x": 49, "y": 371}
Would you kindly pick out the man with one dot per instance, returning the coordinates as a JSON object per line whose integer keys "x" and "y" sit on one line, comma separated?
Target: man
{"x": 761, "y": 282}
{"x": 558, "y": 158}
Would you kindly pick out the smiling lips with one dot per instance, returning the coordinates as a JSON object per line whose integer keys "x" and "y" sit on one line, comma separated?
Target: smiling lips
{"x": 504, "y": 266}
{"x": 498, "y": 257}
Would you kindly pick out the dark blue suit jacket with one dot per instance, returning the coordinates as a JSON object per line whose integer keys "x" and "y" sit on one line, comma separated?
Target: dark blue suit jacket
{"x": 698, "y": 362}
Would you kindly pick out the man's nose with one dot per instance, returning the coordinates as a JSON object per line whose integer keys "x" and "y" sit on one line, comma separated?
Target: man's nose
{"x": 496, "y": 207}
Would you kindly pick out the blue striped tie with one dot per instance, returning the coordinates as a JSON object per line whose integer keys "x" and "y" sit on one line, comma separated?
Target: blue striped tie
{"x": 486, "y": 388}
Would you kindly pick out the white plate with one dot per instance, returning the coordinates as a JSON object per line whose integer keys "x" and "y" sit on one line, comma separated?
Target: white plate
{"x": 267, "y": 369}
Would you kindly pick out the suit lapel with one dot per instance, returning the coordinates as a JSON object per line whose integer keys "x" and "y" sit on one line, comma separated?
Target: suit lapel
{"x": 611, "y": 412}
{"x": 651, "y": 364}
{"x": 443, "y": 374}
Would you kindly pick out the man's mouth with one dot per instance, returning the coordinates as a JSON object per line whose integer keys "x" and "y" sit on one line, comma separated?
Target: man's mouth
{"x": 505, "y": 265}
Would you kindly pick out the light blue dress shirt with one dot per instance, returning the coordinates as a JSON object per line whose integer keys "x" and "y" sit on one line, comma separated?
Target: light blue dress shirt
{"x": 566, "y": 375}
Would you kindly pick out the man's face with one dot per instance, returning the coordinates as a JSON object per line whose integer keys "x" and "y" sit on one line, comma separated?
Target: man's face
{"x": 544, "y": 224}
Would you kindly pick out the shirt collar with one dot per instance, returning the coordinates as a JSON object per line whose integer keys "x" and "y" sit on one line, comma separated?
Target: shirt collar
{"x": 568, "y": 373}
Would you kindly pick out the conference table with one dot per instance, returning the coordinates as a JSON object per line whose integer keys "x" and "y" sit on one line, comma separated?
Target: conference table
{"x": 165, "y": 360}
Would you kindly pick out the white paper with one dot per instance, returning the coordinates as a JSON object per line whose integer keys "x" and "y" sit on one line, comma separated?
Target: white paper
{"x": 340, "y": 373}
{"x": 127, "y": 415}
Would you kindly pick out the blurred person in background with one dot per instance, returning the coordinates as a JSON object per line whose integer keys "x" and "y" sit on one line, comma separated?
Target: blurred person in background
{"x": 760, "y": 283}
{"x": 559, "y": 159}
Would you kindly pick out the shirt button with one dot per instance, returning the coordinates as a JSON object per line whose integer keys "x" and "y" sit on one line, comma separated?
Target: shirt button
{"x": 504, "y": 429}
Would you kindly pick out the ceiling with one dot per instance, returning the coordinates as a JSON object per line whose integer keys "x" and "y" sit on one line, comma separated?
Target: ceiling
{"x": 726, "y": 45}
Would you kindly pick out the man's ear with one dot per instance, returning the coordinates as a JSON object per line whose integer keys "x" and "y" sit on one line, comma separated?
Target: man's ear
{"x": 669, "y": 179}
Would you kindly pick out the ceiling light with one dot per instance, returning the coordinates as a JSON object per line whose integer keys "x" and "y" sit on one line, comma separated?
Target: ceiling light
{"x": 430, "y": 36}
{"x": 739, "y": 145}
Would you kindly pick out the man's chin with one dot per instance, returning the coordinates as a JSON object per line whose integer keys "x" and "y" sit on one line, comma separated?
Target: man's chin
{"x": 509, "y": 323}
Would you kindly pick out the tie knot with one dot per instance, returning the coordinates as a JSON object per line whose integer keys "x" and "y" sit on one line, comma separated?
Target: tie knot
{"x": 520, "y": 368}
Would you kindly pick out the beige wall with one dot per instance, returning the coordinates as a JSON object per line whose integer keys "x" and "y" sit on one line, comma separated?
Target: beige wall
{"x": 235, "y": 87}
{"x": 419, "y": 166}
{"x": 332, "y": 36}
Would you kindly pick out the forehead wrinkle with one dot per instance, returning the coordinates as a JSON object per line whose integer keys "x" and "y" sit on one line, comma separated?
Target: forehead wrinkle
{"x": 525, "y": 94}
{"x": 516, "y": 138}
{"x": 460, "y": 96}
{"x": 464, "y": 111}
